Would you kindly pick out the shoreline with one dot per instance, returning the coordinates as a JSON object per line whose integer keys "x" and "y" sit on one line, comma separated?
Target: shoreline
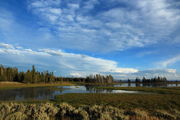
{"x": 12, "y": 85}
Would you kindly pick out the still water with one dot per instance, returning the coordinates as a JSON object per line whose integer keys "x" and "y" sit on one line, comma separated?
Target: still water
{"x": 147, "y": 85}
{"x": 45, "y": 93}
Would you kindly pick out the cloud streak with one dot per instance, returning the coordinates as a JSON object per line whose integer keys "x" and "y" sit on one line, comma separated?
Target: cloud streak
{"x": 116, "y": 28}
{"x": 170, "y": 74}
{"x": 170, "y": 61}
{"x": 71, "y": 64}
{"x": 68, "y": 63}
{"x": 122, "y": 32}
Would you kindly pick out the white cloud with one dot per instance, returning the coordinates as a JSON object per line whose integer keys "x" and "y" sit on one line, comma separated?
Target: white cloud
{"x": 37, "y": 4}
{"x": 43, "y": 3}
{"x": 68, "y": 63}
{"x": 90, "y": 4}
{"x": 117, "y": 28}
{"x": 170, "y": 74}
{"x": 6, "y": 45}
{"x": 73, "y": 6}
{"x": 171, "y": 70}
{"x": 52, "y": 18}
{"x": 125, "y": 70}
{"x": 160, "y": 10}
{"x": 76, "y": 65}
{"x": 55, "y": 11}
{"x": 169, "y": 61}
{"x": 74, "y": 74}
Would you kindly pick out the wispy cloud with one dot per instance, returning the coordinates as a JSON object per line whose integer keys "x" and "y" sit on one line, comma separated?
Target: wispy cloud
{"x": 170, "y": 61}
{"x": 68, "y": 63}
{"x": 170, "y": 74}
{"x": 71, "y": 64}
{"x": 116, "y": 28}
{"x": 145, "y": 53}
{"x": 112, "y": 29}
{"x": 6, "y": 45}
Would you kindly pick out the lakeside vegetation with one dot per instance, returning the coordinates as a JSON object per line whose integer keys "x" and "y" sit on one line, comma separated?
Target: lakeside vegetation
{"x": 150, "y": 98}
{"x": 75, "y": 106}
{"x": 64, "y": 111}
{"x": 12, "y": 85}
{"x": 152, "y": 104}
{"x": 162, "y": 90}
{"x": 149, "y": 104}
{"x": 33, "y": 76}
{"x": 124, "y": 101}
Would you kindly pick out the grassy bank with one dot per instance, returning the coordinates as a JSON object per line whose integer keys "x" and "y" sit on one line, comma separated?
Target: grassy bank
{"x": 163, "y": 90}
{"x": 155, "y": 104}
{"x": 96, "y": 84}
{"x": 145, "y": 101}
{"x": 11, "y": 85}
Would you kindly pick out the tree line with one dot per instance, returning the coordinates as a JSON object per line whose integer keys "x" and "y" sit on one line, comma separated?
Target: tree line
{"x": 99, "y": 79}
{"x": 30, "y": 76}
{"x": 151, "y": 80}
{"x": 33, "y": 76}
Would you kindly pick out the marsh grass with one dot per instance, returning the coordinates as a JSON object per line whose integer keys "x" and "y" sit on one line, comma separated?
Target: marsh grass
{"x": 125, "y": 101}
{"x": 162, "y": 90}
{"x": 64, "y": 111}
{"x": 163, "y": 104}
{"x": 12, "y": 85}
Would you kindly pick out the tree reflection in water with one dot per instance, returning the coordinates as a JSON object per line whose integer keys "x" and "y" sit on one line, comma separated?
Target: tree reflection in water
{"x": 46, "y": 93}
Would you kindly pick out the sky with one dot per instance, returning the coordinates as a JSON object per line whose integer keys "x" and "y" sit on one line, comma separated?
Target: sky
{"x": 76, "y": 38}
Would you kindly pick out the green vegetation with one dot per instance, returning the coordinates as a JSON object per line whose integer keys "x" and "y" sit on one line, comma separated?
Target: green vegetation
{"x": 99, "y": 79}
{"x": 163, "y": 90}
{"x": 33, "y": 76}
{"x": 150, "y": 104}
{"x": 30, "y": 76}
{"x": 156, "y": 104}
{"x": 64, "y": 111}
{"x": 125, "y": 101}
{"x": 152, "y": 80}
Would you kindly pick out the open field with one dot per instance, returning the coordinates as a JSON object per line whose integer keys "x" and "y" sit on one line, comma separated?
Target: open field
{"x": 10, "y": 85}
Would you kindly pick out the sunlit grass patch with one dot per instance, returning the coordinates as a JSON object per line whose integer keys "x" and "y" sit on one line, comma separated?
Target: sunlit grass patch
{"x": 12, "y": 85}
{"x": 64, "y": 111}
{"x": 162, "y": 90}
{"x": 147, "y": 101}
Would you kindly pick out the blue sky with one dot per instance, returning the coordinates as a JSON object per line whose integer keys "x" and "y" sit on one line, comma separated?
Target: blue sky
{"x": 125, "y": 38}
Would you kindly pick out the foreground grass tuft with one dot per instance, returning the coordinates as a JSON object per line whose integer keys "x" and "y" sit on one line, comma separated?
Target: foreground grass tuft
{"x": 64, "y": 111}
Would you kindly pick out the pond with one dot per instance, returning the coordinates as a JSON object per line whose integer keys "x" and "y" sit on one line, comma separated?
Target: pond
{"x": 46, "y": 93}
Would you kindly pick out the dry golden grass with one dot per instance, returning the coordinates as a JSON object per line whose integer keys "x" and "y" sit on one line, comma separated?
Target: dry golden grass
{"x": 64, "y": 111}
{"x": 143, "y": 118}
{"x": 10, "y": 85}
